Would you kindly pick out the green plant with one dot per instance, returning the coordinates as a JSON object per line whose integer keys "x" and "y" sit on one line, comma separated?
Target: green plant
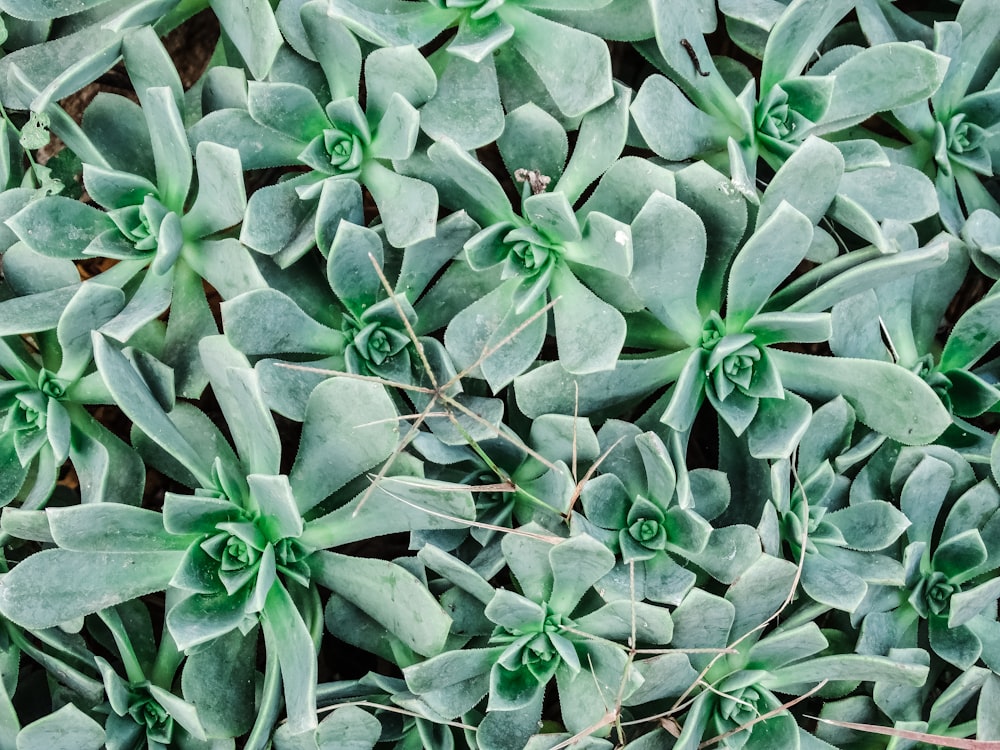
{"x": 499, "y": 374}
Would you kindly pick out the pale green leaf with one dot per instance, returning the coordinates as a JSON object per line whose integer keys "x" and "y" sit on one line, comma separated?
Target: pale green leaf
{"x": 913, "y": 416}
{"x": 349, "y": 427}
{"x": 67, "y": 728}
{"x": 57, "y": 585}
{"x": 387, "y": 593}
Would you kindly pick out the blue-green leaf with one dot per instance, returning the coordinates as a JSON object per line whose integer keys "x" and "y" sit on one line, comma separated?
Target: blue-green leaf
{"x": 67, "y": 728}
{"x": 767, "y": 258}
{"x": 252, "y": 28}
{"x": 349, "y": 427}
{"x": 589, "y": 332}
{"x": 54, "y": 586}
{"x": 287, "y": 634}
{"x": 133, "y": 396}
{"x": 407, "y": 206}
{"x": 59, "y": 227}
{"x": 388, "y": 594}
{"x": 574, "y": 66}
{"x": 170, "y": 147}
{"x": 913, "y": 416}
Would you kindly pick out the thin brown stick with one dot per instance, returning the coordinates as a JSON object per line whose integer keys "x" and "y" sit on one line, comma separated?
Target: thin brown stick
{"x": 357, "y": 376}
{"x": 478, "y": 524}
{"x": 938, "y": 740}
{"x": 516, "y": 442}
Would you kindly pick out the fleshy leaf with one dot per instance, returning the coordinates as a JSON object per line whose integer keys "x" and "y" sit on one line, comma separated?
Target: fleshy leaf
{"x": 57, "y": 585}
{"x": 287, "y": 634}
{"x": 808, "y": 181}
{"x": 973, "y": 335}
{"x": 859, "y": 94}
{"x": 221, "y": 199}
{"x": 332, "y": 451}
{"x": 577, "y": 564}
{"x": 59, "y": 227}
{"x": 67, "y": 728}
{"x": 397, "y": 71}
{"x": 466, "y": 107}
{"x": 133, "y": 396}
{"x": 395, "y": 504}
{"x": 387, "y": 593}
{"x": 667, "y": 265}
{"x": 266, "y": 321}
{"x": 349, "y": 728}
{"x": 671, "y": 125}
{"x": 351, "y": 267}
{"x": 913, "y": 417}
{"x": 767, "y": 258}
{"x": 171, "y": 152}
{"x": 869, "y": 526}
{"x": 533, "y": 139}
{"x": 408, "y": 206}
{"x": 251, "y": 26}
{"x": 218, "y": 678}
{"x": 589, "y": 331}
{"x": 574, "y": 66}
{"x": 112, "y": 527}
{"x": 488, "y": 325}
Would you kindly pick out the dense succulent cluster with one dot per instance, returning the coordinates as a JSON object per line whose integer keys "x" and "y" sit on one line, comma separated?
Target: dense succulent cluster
{"x": 499, "y": 374}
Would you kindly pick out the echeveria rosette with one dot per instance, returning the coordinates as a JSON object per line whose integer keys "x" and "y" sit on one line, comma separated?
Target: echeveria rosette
{"x": 967, "y": 388}
{"x": 951, "y": 560}
{"x": 687, "y": 114}
{"x": 242, "y": 548}
{"x": 953, "y": 132}
{"x": 377, "y": 347}
{"x": 540, "y": 252}
{"x": 755, "y": 681}
{"x": 34, "y": 416}
{"x": 368, "y": 333}
{"x": 42, "y": 416}
{"x": 143, "y": 714}
{"x": 648, "y": 509}
{"x": 550, "y": 629}
{"x": 733, "y": 370}
{"x": 758, "y": 674}
{"x": 937, "y": 713}
{"x": 108, "y": 553}
{"x": 846, "y": 547}
{"x": 338, "y": 139}
{"x": 378, "y": 328}
{"x": 911, "y": 309}
{"x": 535, "y": 256}
{"x": 728, "y": 361}
{"x": 499, "y": 46}
{"x": 166, "y": 238}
